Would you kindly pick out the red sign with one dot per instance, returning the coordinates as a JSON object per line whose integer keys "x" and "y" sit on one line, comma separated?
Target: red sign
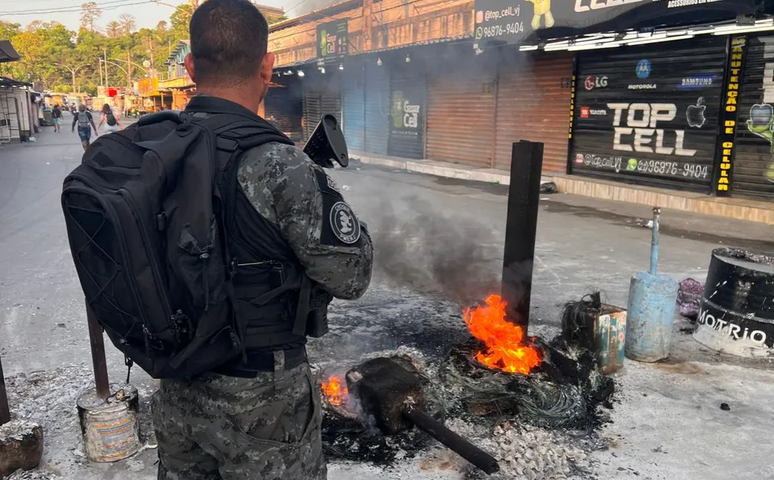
{"x": 585, "y": 112}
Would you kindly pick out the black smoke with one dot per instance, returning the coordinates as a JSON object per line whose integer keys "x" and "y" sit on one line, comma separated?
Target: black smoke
{"x": 424, "y": 249}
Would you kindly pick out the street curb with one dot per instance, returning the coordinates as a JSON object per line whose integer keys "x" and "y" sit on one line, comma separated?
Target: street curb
{"x": 439, "y": 169}
{"x": 737, "y": 208}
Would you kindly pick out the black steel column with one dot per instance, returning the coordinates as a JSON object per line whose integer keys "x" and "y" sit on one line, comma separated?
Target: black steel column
{"x": 5, "y": 412}
{"x": 521, "y": 229}
{"x": 98, "y": 355}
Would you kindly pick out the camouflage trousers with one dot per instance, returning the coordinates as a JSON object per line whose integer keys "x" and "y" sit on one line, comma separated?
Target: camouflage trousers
{"x": 217, "y": 427}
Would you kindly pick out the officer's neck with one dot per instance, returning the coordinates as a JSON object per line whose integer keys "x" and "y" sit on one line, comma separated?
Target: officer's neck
{"x": 242, "y": 95}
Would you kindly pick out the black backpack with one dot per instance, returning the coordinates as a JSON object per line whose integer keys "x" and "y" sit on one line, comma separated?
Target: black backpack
{"x": 111, "y": 119}
{"x": 145, "y": 216}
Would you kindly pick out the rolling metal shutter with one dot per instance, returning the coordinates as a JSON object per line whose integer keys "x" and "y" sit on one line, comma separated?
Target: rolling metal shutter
{"x": 407, "y": 113}
{"x": 649, "y": 115}
{"x": 753, "y": 170}
{"x": 322, "y": 95}
{"x": 353, "y": 103}
{"x": 283, "y": 108}
{"x": 377, "y": 108}
{"x": 533, "y": 101}
{"x": 461, "y": 112}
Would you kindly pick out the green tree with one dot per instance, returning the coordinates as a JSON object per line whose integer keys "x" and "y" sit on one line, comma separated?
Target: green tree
{"x": 180, "y": 20}
{"x": 8, "y": 30}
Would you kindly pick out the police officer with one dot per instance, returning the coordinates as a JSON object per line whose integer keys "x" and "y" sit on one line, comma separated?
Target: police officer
{"x": 259, "y": 417}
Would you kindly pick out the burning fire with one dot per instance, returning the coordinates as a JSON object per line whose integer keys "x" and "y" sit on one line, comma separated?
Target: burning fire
{"x": 504, "y": 347}
{"x": 335, "y": 390}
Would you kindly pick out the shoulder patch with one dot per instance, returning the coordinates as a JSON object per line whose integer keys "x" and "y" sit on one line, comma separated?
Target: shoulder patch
{"x": 332, "y": 184}
{"x": 344, "y": 224}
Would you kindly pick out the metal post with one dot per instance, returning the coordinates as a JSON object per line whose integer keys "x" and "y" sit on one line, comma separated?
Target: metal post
{"x": 521, "y": 229}
{"x": 107, "y": 80}
{"x": 654, "y": 240}
{"x": 98, "y": 355}
{"x": 5, "y": 411}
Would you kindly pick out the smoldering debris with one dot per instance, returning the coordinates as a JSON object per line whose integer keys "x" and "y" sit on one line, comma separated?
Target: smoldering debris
{"x": 48, "y": 398}
{"x": 689, "y": 298}
{"x": 421, "y": 248}
{"x": 530, "y": 452}
{"x": 32, "y": 475}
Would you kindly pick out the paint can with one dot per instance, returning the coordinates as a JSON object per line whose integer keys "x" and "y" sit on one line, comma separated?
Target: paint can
{"x": 610, "y": 338}
{"x": 601, "y": 329}
{"x": 737, "y": 308}
{"x": 110, "y": 429}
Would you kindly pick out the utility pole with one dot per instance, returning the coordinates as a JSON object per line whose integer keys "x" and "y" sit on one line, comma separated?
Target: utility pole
{"x": 129, "y": 68}
{"x": 101, "y": 76}
{"x": 107, "y": 80}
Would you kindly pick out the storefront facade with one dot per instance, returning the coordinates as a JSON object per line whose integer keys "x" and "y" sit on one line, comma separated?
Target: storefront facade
{"x": 753, "y": 159}
{"x": 649, "y": 115}
{"x": 646, "y": 102}
{"x": 283, "y": 106}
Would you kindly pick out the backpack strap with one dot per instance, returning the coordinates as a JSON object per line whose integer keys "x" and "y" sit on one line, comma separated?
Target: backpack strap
{"x": 234, "y": 134}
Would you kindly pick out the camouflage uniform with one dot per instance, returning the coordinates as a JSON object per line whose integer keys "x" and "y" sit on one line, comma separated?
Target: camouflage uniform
{"x": 268, "y": 427}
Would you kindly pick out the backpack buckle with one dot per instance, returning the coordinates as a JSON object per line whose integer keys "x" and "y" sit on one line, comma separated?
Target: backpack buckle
{"x": 181, "y": 322}
{"x": 161, "y": 221}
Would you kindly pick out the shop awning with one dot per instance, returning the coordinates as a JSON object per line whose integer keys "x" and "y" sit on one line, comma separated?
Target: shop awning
{"x": 7, "y": 52}
{"x": 6, "y": 82}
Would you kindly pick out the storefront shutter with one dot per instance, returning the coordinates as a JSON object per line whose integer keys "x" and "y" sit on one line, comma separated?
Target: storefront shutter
{"x": 377, "y": 108}
{"x": 407, "y": 111}
{"x": 353, "y": 107}
{"x": 283, "y": 107}
{"x": 461, "y": 111}
{"x": 533, "y": 103}
{"x": 322, "y": 95}
{"x": 753, "y": 168}
{"x": 649, "y": 114}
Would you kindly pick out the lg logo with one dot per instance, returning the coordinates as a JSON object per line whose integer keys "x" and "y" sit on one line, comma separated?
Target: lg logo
{"x": 593, "y": 82}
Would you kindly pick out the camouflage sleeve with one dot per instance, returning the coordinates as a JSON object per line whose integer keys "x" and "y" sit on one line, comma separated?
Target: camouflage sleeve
{"x": 288, "y": 189}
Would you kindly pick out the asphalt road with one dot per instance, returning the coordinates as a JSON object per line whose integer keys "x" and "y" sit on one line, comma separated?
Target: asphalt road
{"x": 425, "y": 229}
{"x": 438, "y": 244}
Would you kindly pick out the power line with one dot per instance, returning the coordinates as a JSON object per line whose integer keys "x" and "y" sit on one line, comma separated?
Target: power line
{"x": 108, "y": 5}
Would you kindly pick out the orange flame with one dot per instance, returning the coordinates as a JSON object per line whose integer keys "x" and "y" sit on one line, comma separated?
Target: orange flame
{"x": 335, "y": 390}
{"x": 504, "y": 348}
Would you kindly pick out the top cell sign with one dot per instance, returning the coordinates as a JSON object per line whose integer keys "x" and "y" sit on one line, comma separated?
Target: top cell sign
{"x": 524, "y": 21}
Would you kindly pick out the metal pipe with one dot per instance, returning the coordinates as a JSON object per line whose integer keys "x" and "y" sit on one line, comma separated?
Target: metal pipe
{"x": 98, "y": 354}
{"x": 5, "y": 411}
{"x": 654, "y": 241}
{"x": 521, "y": 229}
{"x": 456, "y": 443}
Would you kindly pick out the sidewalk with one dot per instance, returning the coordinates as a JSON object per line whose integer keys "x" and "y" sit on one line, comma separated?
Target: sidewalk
{"x": 737, "y": 208}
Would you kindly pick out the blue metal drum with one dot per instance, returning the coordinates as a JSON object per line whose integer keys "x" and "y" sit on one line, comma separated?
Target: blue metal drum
{"x": 652, "y": 299}
{"x": 651, "y": 310}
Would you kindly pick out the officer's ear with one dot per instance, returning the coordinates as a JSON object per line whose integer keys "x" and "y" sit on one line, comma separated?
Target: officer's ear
{"x": 189, "y": 67}
{"x": 267, "y": 67}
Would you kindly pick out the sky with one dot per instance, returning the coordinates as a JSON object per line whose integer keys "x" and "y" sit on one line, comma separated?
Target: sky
{"x": 146, "y": 13}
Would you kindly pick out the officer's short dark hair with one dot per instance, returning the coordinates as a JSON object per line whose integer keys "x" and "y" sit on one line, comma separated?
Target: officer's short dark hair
{"x": 228, "y": 41}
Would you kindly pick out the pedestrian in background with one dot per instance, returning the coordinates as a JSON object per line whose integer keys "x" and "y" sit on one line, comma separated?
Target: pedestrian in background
{"x": 259, "y": 416}
{"x": 109, "y": 119}
{"x": 85, "y": 122}
{"x": 56, "y": 114}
